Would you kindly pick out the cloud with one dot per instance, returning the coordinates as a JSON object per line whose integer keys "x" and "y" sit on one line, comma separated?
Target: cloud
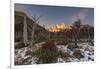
{"x": 81, "y": 14}
{"x": 21, "y": 7}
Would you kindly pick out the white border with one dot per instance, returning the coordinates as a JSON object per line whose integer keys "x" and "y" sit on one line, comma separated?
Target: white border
{"x": 69, "y": 65}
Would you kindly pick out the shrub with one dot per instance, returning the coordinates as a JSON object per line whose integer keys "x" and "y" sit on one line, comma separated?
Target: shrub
{"x": 64, "y": 55}
{"x": 19, "y": 45}
{"x": 77, "y": 53}
{"x": 72, "y": 46}
{"x": 47, "y": 53}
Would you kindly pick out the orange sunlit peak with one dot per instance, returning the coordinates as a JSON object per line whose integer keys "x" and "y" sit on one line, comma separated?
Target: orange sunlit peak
{"x": 58, "y": 27}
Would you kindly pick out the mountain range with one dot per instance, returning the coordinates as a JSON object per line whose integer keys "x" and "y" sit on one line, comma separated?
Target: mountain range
{"x": 58, "y": 27}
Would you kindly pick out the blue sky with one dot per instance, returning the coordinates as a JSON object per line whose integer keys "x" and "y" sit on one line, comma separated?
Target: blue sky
{"x": 52, "y": 15}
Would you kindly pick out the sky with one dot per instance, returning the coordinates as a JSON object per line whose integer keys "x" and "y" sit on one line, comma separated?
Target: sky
{"x": 52, "y": 15}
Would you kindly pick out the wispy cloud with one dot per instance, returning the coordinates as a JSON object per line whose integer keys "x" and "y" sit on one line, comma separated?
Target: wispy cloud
{"x": 81, "y": 14}
{"x": 20, "y": 7}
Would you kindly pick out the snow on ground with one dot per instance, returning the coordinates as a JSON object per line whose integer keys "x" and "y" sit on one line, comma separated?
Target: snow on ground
{"x": 60, "y": 60}
{"x": 24, "y": 55}
{"x": 62, "y": 48}
{"x": 86, "y": 50}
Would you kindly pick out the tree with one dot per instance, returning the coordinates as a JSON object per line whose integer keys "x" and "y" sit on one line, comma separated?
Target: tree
{"x": 36, "y": 21}
{"x": 75, "y": 30}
